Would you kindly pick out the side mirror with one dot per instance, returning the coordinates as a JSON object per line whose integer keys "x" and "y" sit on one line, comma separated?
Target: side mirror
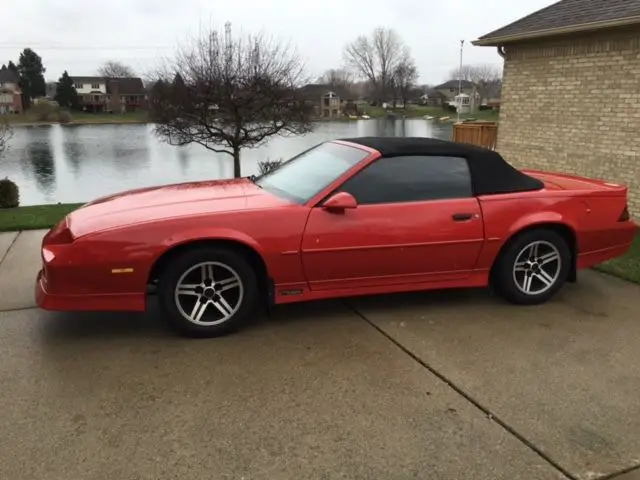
{"x": 340, "y": 202}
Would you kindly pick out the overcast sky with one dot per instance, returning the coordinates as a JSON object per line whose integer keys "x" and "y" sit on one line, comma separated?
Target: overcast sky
{"x": 78, "y": 35}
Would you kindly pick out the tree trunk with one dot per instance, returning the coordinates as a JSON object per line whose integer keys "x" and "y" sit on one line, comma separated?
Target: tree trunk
{"x": 236, "y": 163}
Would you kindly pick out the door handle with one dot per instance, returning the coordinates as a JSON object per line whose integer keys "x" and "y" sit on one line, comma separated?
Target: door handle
{"x": 462, "y": 217}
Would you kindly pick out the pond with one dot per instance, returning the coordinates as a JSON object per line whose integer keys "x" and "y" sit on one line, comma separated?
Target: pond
{"x": 70, "y": 164}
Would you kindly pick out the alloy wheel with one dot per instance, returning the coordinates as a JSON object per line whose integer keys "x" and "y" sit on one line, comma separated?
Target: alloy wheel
{"x": 209, "y": 293}
{"x": 537, "y": 268}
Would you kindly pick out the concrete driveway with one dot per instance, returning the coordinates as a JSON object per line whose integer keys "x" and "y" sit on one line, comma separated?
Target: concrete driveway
{"x": 444, "y": 385}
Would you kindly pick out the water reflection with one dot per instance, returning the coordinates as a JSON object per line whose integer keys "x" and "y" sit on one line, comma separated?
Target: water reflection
{"x": 38, "y": 155}
{"x": 74, "y": 148}
{"x": 183, "y": 160}
{"x": 77, "y": 163}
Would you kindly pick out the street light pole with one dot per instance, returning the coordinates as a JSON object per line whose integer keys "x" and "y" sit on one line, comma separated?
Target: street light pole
{"x": 460, "y": 81}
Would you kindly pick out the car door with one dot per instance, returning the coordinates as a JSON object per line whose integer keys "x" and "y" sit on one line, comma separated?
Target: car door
{"x": 416, "y": 221}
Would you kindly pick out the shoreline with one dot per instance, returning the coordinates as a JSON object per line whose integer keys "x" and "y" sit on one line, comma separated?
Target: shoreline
{"x": 375, "y": 113}
{"x": 80, "y": 122}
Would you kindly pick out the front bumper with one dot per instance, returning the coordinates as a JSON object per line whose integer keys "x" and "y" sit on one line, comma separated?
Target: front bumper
{"x": 65, "y": 283}
{"x": 97, "y": 302}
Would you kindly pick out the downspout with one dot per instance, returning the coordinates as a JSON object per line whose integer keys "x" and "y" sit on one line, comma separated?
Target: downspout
{"x": 502, "y": 52}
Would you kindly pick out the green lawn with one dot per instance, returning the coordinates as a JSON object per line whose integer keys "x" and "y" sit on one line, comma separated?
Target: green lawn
{"x": 627, "y": 267}
{"x": 35, "y": 217}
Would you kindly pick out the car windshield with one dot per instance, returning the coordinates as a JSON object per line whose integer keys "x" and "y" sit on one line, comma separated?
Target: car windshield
{"x": 305, "y": 175}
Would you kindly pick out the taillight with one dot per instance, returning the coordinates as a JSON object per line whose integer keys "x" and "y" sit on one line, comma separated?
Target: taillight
{"x": 58, "y": 235}
{"x": 625, "y": 217}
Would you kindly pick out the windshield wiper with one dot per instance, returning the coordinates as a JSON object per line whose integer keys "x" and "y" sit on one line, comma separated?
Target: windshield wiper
{"x": 253, "y": 179}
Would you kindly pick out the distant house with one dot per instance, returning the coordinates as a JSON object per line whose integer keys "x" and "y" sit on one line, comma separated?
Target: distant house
{"x": 10, "y": 93}
{"x": 570, "y": 98}
{"x": 452, "y": 88}
{"x": 92, "y": 93}
{"x": 110, "y": 95}
{"x": 433, "y": 98}
{"x": 328, "y": 101}
{"x": 126, "y": 95}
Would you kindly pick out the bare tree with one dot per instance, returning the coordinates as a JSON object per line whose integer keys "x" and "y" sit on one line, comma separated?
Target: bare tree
{"x": 5, "y": 134}
{"x": 375, "y": 58}
{"x": 485, "y": 76}
{"x": 113, "y": 69}
{"x": 337, "y": 78}
{"x": 405, "y": 76}
{"x": 228, "y": 92}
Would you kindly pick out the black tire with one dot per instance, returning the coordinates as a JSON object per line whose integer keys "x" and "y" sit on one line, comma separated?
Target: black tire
{"x": 505, "y": 279}
{"x": 188, "y": 263}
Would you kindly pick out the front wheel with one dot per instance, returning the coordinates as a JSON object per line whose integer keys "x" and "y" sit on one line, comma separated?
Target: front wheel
{"x": 207, "y": 292}
{"x": 533, "y": 267}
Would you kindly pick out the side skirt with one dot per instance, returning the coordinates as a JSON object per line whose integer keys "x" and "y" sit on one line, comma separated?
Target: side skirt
{"x": 292, "y": 294}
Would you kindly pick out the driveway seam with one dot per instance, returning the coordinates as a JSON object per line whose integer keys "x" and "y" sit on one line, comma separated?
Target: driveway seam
{"x": 619, "y": 473}
{"x": 469, "y": 398}
{"x": 10, "y": 247}
{"x": 18, "y": 309}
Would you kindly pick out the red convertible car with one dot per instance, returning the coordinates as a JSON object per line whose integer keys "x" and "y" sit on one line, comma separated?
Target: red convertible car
{"x": 347, "y": 217}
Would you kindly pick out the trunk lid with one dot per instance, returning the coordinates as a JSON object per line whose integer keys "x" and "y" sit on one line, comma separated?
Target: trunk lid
{"x": 564, "y": 181}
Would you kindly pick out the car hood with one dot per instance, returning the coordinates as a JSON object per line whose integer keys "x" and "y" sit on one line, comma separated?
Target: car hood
{"x": 169, "y": 201}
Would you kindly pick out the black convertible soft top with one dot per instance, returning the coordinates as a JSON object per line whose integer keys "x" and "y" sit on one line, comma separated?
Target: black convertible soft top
{"x": 490, "y": 173}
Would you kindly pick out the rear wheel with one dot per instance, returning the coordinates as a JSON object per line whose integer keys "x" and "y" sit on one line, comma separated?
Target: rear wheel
{"x": 207, "y": 292}
{"x": 533, "y": 267}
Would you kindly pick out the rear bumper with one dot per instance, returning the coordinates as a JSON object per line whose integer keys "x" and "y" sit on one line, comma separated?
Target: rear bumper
{"x": 626, "y": 230}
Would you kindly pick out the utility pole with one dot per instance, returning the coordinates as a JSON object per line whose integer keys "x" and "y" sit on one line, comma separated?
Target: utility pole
{"x": 459, "y": 102}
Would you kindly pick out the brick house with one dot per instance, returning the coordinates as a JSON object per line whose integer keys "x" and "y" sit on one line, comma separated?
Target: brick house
{"x": 126, "y": 95}
{"x": 110, "y": 95}
{"x": 570, "y": 98}
{"x": 10, "y": 93}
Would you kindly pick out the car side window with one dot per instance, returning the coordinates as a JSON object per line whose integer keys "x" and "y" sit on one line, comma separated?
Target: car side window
{"x": 410, "y": 179}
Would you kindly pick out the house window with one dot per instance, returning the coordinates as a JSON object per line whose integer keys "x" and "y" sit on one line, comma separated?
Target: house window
{"x": 78, "y": 84}
{"x": 95, "y": 86}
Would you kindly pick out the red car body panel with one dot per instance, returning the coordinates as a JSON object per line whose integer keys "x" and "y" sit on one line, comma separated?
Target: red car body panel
{"x": 102, "y": 256}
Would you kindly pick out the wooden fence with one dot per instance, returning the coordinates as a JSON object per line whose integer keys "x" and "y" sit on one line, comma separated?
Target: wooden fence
{"x": 483, "y": 134}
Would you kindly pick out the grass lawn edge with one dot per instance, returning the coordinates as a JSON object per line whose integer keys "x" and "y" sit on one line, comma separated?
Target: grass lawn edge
{"x": 34, "y": 217}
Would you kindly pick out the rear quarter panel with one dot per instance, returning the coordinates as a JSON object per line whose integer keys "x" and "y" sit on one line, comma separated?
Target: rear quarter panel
{"x": 506, "y": 215}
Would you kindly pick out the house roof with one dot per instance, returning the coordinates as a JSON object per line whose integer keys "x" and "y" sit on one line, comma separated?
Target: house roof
{"x": 317, "y": 90}
{"x": 566, "y": 16}
{"x": 126, "y": 86}
{"x": 432, "y": 92}
{"x": 8, "y": 75}
{"x": 454, "y": 84}
{"x": 89, "y": 79}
